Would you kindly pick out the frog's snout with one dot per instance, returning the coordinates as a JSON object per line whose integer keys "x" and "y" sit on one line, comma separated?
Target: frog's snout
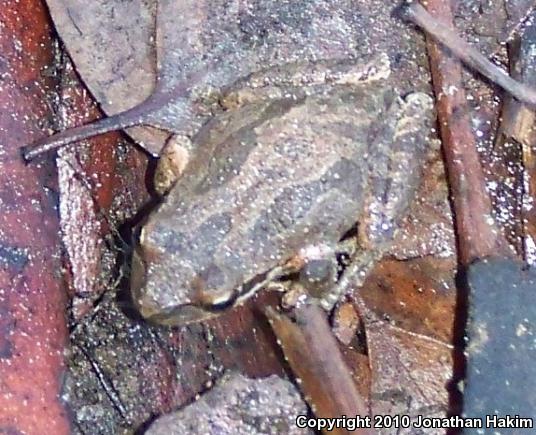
{"x": 184, "y": 296}
{"x": 138, "y": 279}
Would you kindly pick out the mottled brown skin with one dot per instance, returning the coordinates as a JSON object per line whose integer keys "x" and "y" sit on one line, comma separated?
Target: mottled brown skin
{"x": 286, "y": 151}
{"x": 272, "y": 177}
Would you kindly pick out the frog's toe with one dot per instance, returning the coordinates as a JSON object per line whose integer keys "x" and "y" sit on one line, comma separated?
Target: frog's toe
{"x": 173, "y": 159}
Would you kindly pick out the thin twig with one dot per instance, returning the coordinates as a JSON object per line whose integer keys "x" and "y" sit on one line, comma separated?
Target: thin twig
{"x": 315, "y": 358}
{"x": 414, "y": 12}
{"x": 107, "y": 385}
{"x": 478, "y": 235}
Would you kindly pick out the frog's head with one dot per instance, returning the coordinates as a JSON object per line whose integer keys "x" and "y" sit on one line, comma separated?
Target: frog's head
{"x": 175, "y": 280}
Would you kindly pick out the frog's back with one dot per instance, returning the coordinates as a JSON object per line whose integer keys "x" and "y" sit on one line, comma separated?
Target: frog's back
{"x": 265, "y": 186}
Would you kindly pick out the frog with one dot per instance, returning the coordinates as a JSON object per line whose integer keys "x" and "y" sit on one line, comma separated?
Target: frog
{"x": 289, "y": 148}
{"x": 305, "y": 158}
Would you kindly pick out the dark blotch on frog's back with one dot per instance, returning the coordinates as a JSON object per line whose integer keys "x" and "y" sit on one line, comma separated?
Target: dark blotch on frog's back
{"x": 310, "y": 210}
{"x": 347, "y": 177}
{"x": 220, "y": 159}
{"x": 199, "y": 246}
{"x": 274, "y": 223}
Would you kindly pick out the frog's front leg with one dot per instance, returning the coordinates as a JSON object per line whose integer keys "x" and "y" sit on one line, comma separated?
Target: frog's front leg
{"x": 312, "y": 272}
{"x": 315, "y": 267}
{"x": 171, "y": 163}
{"x": 354, "y": 275}
{"x": 319, "y": 271}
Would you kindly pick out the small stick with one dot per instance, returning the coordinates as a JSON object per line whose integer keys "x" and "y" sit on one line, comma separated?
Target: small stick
{"x": 414, "y": 12}
{"x": 478, "y": 235}
{"x": 317, "y": 362}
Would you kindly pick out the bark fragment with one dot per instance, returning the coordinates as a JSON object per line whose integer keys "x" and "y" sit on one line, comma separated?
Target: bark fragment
{"x": 33, "y": 328}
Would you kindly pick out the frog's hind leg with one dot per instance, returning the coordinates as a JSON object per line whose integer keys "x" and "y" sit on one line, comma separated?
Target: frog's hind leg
{"x": 389, "y": 197}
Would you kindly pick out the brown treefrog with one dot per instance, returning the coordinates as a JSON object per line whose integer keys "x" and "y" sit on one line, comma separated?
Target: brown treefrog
{"x": 302, "y": 153}
{"x": 284, "y": 153}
